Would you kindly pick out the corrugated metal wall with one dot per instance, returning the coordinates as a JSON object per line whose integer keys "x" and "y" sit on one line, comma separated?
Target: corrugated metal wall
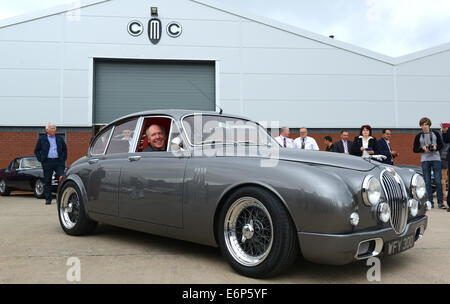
{"x": 122, "y": 87}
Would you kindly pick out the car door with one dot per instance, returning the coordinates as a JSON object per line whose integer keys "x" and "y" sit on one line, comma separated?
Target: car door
{"x": 151, "y": 184}
{"x": 11, "y": 177}
{"x": 24, "y": 179}
{"x": 105, "y": 165}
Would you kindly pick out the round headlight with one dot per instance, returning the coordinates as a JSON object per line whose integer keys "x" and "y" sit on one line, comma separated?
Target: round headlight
{"x": 418, "y": 188}
{"x": 384, "y": 212}
{"x": 371, "y": 191}
{"x": 413, "y": 207}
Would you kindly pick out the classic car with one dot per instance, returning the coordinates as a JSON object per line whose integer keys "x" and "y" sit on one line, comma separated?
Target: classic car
{"x": 24, "y": 173}
{"x": 224, "y": 181}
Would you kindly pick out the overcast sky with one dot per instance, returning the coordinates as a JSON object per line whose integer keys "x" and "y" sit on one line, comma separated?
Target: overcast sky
{"x": 389, "y": 27}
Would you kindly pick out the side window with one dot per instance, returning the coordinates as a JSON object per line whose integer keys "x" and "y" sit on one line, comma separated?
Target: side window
{"x": 100, "y": 144}
{"x": 176, "y": 143}
{"x": 29, "y": 163}
{"x": 16, "y": 164}
{"x": 164, "y": 124}
{"x": 122, "y": 138}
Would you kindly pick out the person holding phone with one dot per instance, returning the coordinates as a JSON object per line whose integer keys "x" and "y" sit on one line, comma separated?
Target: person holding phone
{"x": 364, "y": 145}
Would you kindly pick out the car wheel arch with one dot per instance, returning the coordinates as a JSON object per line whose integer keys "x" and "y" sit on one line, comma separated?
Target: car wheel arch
{"x": 77, "y": 180}
{"x": 232, "y": 189}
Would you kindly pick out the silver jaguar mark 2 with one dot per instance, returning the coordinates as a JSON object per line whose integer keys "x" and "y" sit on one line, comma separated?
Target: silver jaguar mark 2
{"x": 223, "y": 181}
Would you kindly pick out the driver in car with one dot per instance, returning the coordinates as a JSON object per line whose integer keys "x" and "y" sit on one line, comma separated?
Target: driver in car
{"x": 157, "y": 138}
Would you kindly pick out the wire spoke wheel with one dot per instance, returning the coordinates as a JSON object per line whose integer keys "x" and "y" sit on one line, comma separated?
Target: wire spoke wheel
{"x": 69, "y": 209}
{"x": 248, "y": 231}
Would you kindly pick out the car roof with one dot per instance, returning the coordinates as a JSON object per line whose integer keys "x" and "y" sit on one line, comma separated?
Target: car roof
{"x": 177, "y": 114}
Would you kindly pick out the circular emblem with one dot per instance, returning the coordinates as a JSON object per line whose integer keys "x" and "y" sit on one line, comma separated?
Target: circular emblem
{"x": 174, "y": 29}
{"x": 135, "y": 28}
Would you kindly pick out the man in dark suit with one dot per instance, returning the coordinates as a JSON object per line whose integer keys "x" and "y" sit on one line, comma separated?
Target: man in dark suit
{"x": 51, "y": 151}
{"x": 343, "y": 145}
{"x": 384, "y": 147}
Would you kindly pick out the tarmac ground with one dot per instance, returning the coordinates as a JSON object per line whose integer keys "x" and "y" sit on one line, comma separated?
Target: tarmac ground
{"x": 34, "y": 249}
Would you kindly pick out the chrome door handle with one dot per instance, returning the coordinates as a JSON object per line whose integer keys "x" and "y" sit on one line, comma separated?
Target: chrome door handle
{"x": 93, "y": 161}
{"x": 134, "y": 158}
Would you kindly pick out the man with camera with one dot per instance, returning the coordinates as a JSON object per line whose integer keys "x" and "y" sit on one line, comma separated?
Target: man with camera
{"x": 428, "y": 143}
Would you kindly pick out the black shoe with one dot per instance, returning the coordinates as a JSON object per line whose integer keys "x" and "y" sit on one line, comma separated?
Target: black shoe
{"x": 448, "y": 209}
{"x": 442, "y": 206}
{"x": 48, "y": 202}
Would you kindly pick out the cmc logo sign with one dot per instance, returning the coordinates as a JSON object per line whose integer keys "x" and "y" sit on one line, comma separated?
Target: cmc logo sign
{"x": 155, "y": 29}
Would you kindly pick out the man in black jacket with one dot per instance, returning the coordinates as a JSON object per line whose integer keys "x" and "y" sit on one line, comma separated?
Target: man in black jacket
{"x": 51, "y": 151}
{"x": 446, "y": 137}
{"x": 428, "y": 143}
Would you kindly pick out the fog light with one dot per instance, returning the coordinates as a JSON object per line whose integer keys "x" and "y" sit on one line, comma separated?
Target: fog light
{"x": 413, "y": 207}
{"x": 428, "y": 204}
{"x": 354, "y": 219}
{"x": 384, "y": 212}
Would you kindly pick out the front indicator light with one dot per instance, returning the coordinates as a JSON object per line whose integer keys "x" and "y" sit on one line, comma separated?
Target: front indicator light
{"x": 384, "y": 212}
{"x": 354, "y": 219}
{"x": 413, "y": 207}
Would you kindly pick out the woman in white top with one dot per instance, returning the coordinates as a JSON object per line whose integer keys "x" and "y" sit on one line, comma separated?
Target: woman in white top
{"x": 364, "y": 144}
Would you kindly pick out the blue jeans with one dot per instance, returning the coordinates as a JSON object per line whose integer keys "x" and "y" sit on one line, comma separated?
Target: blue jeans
{"x": 427, "y": 166}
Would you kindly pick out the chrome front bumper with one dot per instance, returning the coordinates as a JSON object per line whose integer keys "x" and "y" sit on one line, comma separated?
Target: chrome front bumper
{"x": 340, "y": 249}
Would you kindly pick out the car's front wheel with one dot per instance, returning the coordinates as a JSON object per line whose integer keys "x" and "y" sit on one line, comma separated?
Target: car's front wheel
{"x": 39, "y": 189}
{"x": 256, "y": 234}
{"x": 4, "y": 191}
{"x": 72, "y": 215}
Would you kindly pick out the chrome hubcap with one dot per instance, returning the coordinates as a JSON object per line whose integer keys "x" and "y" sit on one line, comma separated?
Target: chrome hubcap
{"x": 69, "y": 209}
{"x": 2, "y": 186}
{"x": 39, "y": 187}
{"x": 248, "y": 231}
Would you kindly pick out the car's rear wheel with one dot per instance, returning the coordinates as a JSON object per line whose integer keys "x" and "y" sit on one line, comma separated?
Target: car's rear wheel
{"x": 256, "y": 234}
{"x": 72, "y": 217}
{"x": 39, "y": 189}
{"x": 4, "y": 191}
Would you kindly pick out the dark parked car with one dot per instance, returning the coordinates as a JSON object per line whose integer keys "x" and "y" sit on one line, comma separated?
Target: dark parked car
{"x": 224, "y": 181}
{"x": 24, "y": 173}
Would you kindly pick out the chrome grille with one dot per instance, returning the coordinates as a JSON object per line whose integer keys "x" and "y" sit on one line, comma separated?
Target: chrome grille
{"x": 396, "y": 198}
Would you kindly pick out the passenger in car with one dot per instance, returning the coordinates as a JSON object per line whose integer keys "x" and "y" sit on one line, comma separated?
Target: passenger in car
{"x": 157, "y": 138}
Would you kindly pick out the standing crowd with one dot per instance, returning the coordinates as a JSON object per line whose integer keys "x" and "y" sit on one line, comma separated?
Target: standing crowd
{"x": 51, "y": 151}
{"x": 429, "y": 143}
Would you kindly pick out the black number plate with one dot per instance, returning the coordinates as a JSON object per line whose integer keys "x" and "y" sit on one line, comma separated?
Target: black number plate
{"x": 399, "y": 245}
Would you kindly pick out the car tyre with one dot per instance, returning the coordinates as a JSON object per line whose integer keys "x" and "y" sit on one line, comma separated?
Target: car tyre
{"x": 39, "y": 188}
{"x": 256, "y": 234}
{"x": 4, "y": 191}
{"x": 72, "y": 215}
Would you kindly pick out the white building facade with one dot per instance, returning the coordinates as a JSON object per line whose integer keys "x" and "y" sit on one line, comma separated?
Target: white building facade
{"x": 88, "y": 64}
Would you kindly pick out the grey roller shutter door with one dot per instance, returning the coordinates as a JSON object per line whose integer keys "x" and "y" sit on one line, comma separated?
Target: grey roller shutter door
{"x": 124, "y": 87}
